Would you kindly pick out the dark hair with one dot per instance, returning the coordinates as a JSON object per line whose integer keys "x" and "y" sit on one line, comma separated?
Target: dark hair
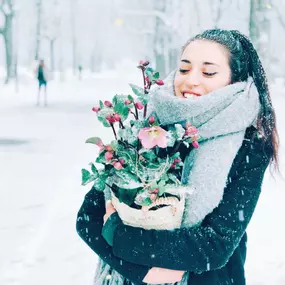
{"x": 244, "y": 62}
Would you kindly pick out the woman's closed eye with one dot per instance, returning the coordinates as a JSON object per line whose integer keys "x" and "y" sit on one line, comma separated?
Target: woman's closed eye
{"x": 183, "y": 70}
{"x": 210, "y": 73}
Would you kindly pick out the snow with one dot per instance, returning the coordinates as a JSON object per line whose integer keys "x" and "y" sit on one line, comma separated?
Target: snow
{"x": 42, "y": 151}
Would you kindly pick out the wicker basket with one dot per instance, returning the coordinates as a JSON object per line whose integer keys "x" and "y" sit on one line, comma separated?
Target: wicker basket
{"x": 166, "y": 218}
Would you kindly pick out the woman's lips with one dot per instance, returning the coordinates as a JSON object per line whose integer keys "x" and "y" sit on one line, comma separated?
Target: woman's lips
{"x": 191, "y": 93}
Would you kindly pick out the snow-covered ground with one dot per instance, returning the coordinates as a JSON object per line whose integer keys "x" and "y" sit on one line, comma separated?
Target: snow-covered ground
{"x": 42, "y": 151}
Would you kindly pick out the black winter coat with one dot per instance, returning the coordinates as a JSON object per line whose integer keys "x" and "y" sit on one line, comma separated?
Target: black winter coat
{"x": 214, "y": 253}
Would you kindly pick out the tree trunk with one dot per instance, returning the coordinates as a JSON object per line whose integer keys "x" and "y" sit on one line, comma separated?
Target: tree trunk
{"x": 52, "y": 41}
{"x": 74, "y": 44}
{"x": 159, "y": 42}
{"x": 259, "y": 28}
{"x": 38, "y": 29}
{"x": 8, "y": 40}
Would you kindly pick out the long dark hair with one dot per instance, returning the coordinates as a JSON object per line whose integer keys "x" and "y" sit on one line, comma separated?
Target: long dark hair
{"x": 244, "y": 62}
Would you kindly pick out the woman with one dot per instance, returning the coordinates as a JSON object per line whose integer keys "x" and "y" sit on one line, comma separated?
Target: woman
{"x": 213, "y": 251}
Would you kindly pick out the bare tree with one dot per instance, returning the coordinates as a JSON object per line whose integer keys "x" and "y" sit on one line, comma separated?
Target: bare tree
{"x": 6, "y": 8}
{"x": 51, "y": 31}
{"x": 259, "y": 28}
{"x": 38, "y": 28}
{"x": 73, "y": 29}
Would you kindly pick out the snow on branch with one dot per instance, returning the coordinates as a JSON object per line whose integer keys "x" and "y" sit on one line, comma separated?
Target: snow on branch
{"x": 158, "y": 14}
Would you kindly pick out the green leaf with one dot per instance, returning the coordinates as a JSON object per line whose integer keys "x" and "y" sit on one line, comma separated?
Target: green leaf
{"x": 94, "y": 140}
{"x": 176, "y": 155}
{"x": 126, "y": 196}
{"x": 155, "y": 75}
{"x": 122, "y": 110}
{"x": 86, "y": 177}
{"x": 137, "y": 90}
{"x": 101, "y": 158}
{"x": 104, "y": 121}
{"x": 115, "y": 100}
{"x": 114, "y": 145}
{"x": 101, "y": 105}
{"x": 99, "y": 184}
{"x": 94, "y": 170}
{"x": 130, "y": 97}
{"x": 161, "y": 190}
{"x": 173, "y": 178}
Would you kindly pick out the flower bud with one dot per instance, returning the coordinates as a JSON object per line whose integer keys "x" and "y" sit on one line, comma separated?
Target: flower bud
{"x": 159, "y": 82}
{"x": 118, "y": 165}
{"x": 139, "y": 105}
{"x": 117, "y": 117}
{"x": 153, "y": 197}
{"x": 144, "y": 62}
{"x": 122, "y": 161}
{"x": 155, "y": 191}
{"x": 108, "y": 104}
{"x": 109, "y": 147}
{"x": 151, "y": 119}
{"x": 195, "y": 144}
{"x": 172, "y": 166}
{"x": 177, "y": 160}
{"x": 96, "y": 109}
{"x": 110, "y": 119}
{"x": 191, "y": 131}
{"x": 108, "y": 155}
{"x": 128, "y": 102}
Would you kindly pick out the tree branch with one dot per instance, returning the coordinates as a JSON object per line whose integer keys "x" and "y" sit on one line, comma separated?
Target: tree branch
{"x": 154, "y": 13}
{"x": 280, "y": 15}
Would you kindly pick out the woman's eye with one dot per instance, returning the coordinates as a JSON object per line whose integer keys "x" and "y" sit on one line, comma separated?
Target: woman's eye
{"x": 210, "y": 74}
{"x": 183, "y": 70}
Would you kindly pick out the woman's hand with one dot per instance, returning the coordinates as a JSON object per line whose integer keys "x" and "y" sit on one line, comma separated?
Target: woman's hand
{"x": 158, "y": 275}
{"x": 109, "y": 210}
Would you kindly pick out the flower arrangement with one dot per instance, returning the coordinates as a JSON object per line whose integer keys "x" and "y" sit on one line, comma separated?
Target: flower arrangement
{"x": 144, "y": 158}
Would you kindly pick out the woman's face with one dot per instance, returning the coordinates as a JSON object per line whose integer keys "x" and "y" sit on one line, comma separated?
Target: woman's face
{"x": 204, "y": 67}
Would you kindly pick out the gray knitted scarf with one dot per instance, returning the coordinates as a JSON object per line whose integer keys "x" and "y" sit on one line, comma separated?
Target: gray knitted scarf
{"x": 222, "y": 118}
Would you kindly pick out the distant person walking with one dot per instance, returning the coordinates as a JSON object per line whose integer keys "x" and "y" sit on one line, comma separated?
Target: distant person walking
{"x": 41, "y": 73}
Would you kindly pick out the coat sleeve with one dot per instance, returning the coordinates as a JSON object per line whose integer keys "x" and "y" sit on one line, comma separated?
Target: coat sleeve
{"x": 89, "y": 226}
{"x": 205, "y": 247}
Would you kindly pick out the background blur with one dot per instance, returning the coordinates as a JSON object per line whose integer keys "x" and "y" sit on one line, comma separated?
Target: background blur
{"x": 42, "y": 148}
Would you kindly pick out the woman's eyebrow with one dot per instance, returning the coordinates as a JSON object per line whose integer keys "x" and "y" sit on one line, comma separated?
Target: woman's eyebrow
{"x": 204, "y": 63}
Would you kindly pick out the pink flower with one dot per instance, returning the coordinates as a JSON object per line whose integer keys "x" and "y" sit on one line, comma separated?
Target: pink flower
{"x": 159, "y": 82}
{"x": 195, "y": 144}
{"x": 96, "y": 109}
{"x": 118, "y": 165}
{"x": 108, "y": 104}
{"x": 139, "y": 105}
{"x": 117, "y": 117}
{"x": 154, "y": 136}
{"x": 109, "y": 155}
{"x": 110, "y": 119}
{"x": 151, "y": 119}
{"x": 177, "y": 160}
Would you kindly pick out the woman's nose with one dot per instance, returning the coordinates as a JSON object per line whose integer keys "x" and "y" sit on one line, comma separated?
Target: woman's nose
{"x": 193, "y": 78}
